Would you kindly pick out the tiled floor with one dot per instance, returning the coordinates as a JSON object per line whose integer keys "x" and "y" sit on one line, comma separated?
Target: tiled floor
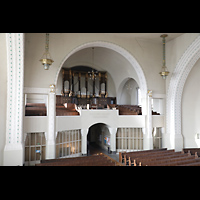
{"x": 94, "y": 149}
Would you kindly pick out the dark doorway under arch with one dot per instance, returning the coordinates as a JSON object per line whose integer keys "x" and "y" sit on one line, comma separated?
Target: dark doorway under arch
{"x": 98, "y": 139}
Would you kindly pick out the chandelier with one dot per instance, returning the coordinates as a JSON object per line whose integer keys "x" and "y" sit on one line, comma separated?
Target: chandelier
{"x": 164, "y": 73}
{"x": 93, "y": 74}
{"x": 46, "y": 57}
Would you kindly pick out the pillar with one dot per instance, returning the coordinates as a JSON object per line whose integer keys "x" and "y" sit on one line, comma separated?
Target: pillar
{"x": 84, "y": 133}
{"x": 113, "y": 132}
{"x": 50, "y": 144}
{"x": 13, "y": 150}
{"x": 148, "y": 139}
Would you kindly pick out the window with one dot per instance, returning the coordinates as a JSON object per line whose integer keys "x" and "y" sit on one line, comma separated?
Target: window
{"x": 129, "y": 139}
{"x": 157, "y": 138}
{"x": 35, "y": 148}
{"x": 68, "y": 143}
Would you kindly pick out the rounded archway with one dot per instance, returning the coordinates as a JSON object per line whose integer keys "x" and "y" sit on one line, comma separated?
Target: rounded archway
{"x": 173, "y": 137}
{"x": 116, "y": 48}
{"x": 128, "y": 92}
{"x": 98, "y": 138}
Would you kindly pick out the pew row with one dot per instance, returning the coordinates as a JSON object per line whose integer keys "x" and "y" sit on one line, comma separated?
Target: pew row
{"x": 93, "y": 160}
{"x": 160, "y": 157}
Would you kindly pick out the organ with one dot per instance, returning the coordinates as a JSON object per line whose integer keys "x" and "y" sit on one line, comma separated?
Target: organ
{"x": 84, "y": 82}
{"x": 83, "y": 85}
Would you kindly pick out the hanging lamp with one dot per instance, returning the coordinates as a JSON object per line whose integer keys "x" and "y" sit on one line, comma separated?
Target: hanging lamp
{"x": 164, "y": 73}
{"x": 93, "y": 74}
{"x": 46, "y": 57}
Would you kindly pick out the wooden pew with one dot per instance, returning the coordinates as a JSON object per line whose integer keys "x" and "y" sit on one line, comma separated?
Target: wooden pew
{"x": 136, "y": 153}
{"x": 35, "y": 105}
{"x": 35, "y": 111}
{"x": 129, "y": 110}
{"x": 167, "y": 159}
{"x": 192, "y": 150}
{"x": 182, "y": 162}
{"x": 70, "y": 110}
{"x": 153, "y": 156}
{"x": 146, "y": 154}
{"x": 94, "y": 160}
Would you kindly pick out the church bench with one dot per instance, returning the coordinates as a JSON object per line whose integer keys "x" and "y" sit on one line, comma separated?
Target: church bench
{"x": 74, "y": 163}
{"x": 94, "y": 160}
{"x": 152, "y": 157}
{"x": 82, "y": 164}
{"x": 129, "y": 110}
{"x": 192, "y": 150}
{"x": 88, "y": 158}
{"x": 173, "y": 159}
{"x": 158, "y": 156}
{"x": 79, "y": 163}
{"x": 146, "y": 154}
{"x": 182, "y": 162}
{"x": 35, "y": 111}
{"x": 35, "y": 105}
{"x": 61, "y": 110}
{"x": 121, "y": 154}
{"x": 65, "y": 112}
{"x": 166, "y": 160}
{"x": 194, "y": 163}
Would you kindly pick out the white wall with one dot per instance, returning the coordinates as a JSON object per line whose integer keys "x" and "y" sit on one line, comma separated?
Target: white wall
{"x": 62, "y": 43}
{"x": 175, "y": 49}
{"x": 128, "y": 93}
{"x": 191, "y": 108}
{"x": 3, "y": 93}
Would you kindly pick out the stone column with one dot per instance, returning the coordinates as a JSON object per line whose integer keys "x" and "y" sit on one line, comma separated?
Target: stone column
{"x": 50, "y": 144}
{"x": 147, "y": 131}
{"x": 13, "y": 151}
{"x": 113, "y": 132}
{"x": 149, "y": 120}
{"x": 84, "y": 133}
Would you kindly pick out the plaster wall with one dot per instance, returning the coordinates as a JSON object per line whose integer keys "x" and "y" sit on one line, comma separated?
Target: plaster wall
{"x": 3, "y": 92}
{"x": 62, "y": 43}
{"x": 191, "y": 108}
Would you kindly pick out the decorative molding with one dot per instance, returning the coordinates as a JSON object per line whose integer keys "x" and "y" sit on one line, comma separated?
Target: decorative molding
{"x": 15, "y": 82}
{"x": 118, "y": 49}
{"x": 176, "y": 85}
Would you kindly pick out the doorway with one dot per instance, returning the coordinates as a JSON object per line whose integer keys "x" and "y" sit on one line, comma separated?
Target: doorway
{"x": 98, "y": 139}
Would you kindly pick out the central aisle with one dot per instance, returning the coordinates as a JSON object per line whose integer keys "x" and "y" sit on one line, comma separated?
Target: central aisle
{"x": 94, "y": 149}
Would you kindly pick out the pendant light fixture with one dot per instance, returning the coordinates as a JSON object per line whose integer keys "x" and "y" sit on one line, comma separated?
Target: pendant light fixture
{"x": 164, "y": 73}
{"x": 93, "y": 74}
{"x": 46, "y": 57}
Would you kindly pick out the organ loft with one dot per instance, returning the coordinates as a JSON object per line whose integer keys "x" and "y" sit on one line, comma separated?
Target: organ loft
{"x": 83, "y": 85}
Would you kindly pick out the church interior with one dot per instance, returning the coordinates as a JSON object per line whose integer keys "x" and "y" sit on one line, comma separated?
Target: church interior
{"x": 99, "y": 99}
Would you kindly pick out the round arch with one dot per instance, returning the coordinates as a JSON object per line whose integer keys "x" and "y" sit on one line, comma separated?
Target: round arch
{"x": 121, "y": 86}
{"x": 118, "y": 49}
{"x": 174, "y": 95}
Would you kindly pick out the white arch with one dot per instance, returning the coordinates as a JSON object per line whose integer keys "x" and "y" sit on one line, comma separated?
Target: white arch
{"x": 175, "y": 90}
{"x": 118, "y": 49}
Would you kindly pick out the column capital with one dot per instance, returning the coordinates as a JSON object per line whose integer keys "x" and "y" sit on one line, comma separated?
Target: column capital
{"x": 149, "y": 92}
{"x": 52, "y": 88}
